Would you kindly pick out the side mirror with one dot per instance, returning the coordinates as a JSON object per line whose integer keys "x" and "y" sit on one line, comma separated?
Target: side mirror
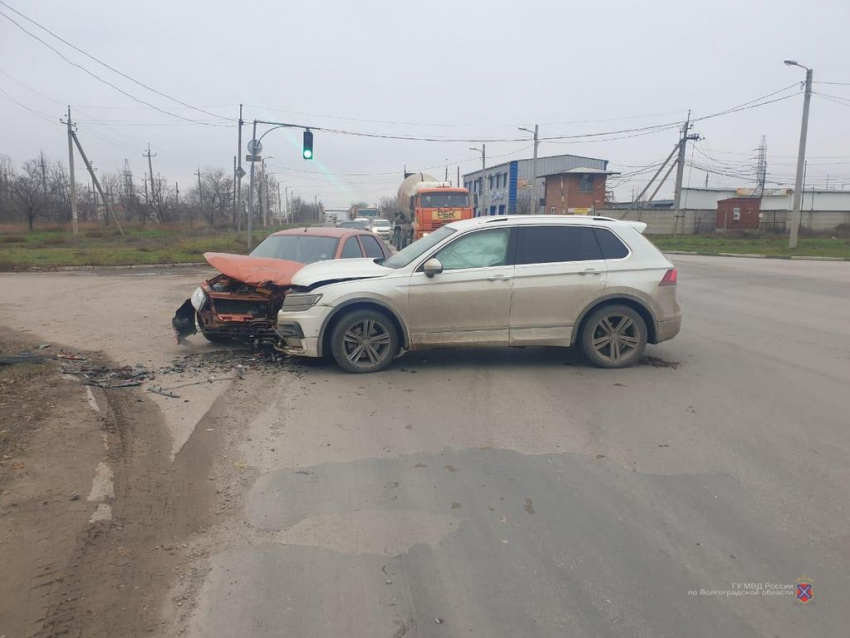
{"x": 432, "y": 267}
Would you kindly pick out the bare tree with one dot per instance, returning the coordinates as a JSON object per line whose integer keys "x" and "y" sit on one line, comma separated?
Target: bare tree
{"x": 217, "y": 194}
{"x": 523, "y": 204}
{"x": 28, "y": 193}
{"x": 388, "y": 207}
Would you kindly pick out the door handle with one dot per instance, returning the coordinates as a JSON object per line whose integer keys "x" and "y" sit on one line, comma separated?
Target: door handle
{"x": 589, "y": 271}
{"x": 498, "y": 278}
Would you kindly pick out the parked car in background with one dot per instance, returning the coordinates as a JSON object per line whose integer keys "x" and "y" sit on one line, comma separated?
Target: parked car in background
{"x": 243, "y": 301}
{"x": 382, "y": 228}
{"x": 360, "y": 224}
{"x": 490, "y": 281}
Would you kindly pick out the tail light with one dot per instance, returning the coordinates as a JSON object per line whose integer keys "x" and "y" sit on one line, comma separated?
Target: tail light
{"x": 670, "y": 278}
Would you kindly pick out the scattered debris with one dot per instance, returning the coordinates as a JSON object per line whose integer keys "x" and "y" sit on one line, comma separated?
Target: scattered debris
{"x": 42, "y": 346}
{"x": 439, "y": 621}
{"x": 74, "y": 497}
{"x": 157, "y": 389}
{"x": 655, "y": 362}
{"x": 25, "y": 356}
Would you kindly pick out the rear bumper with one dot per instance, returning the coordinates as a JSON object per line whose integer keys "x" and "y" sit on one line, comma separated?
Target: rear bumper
{"x": 668, "y": 329}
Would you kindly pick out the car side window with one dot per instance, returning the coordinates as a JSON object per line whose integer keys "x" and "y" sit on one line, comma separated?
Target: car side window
{"x": 351, "y": 249}
{"x": 611, "y": 245}
{"x": 372, "y": 247}
{"x": 476, "y": 250}
{"x": 552, "y": 244}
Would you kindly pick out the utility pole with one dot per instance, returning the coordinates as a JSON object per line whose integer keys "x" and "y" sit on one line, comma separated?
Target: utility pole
{"x": 801, "y": 156}
{"x": 150, "y": 170}
{"x": 177, "y": 188}
{"x": 74, "y": 222}
{"x": 235, "y": 179}
{"x": 265, "y": 211}
{"x": 43, "y": 172}
{"x": 458, "y": 175}
{"x": 316, "y": 206}
{"x": 278, "y": 203}
{"x": 200, "y": 192}
{"x": 482, "y": 201}
{"x": 96, "y": 183}
{"x": 680, "y": 169}
{"x": 237, "y": 211}
{"x": 534, "y": 198}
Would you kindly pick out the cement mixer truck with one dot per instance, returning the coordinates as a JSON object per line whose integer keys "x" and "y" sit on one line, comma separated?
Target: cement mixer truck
{"x": 424, "y": 205}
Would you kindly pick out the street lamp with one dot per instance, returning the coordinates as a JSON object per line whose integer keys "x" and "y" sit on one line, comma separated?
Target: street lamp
{"x": 534, "y": 198}
{"x": 801, "y": 155}
{"x": 483, "y": 151}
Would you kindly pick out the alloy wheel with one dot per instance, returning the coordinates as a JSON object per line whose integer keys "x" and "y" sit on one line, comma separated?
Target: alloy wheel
{"x": 616, "y": 337}
{"x": 366, "y": 343}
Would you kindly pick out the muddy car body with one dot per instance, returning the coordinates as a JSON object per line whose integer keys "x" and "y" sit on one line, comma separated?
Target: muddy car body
{"x": 242, "y": 301}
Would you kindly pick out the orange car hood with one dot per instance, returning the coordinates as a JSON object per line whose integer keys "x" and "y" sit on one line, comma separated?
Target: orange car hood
{"x": 254, "y": 271}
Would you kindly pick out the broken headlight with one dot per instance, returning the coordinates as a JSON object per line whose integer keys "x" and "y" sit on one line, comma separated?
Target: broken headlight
{"x": 296, "y": 302}
{"x": 199, "y": 299}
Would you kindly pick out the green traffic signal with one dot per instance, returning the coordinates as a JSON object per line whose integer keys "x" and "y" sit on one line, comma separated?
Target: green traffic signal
{"x": 307, "y": 149}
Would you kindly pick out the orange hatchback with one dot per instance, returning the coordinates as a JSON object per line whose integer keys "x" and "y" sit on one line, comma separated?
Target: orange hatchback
{"x": 243, "y": 301}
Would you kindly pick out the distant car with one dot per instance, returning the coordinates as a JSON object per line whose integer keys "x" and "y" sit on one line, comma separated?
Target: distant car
{"x": 382, "y": 228}
{"x": 360, "y": 224}
{"x": 523, "y": 280}
{"x": 243, "y": 301}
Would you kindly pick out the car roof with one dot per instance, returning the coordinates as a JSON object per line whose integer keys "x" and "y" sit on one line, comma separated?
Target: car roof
{"x": 526, "y": 220}
{"x": 322, "y": 231}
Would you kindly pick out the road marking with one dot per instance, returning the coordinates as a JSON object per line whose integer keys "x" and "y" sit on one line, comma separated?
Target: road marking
{"x": 102, "y": 487}
{"x": 92, "y": 401}
{"x": 102, "y": 513}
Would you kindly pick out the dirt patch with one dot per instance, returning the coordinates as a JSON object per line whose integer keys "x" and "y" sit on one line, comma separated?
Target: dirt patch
{"x": 655, "y": 362}
{"x": 96, "y": 519}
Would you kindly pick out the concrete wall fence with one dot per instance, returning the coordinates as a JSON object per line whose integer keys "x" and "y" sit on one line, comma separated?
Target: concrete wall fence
{"x": 695, "y": 222}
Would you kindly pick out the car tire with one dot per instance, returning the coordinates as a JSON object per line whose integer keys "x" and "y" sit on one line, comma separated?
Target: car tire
{"x": 364, "y": 341}
{"x": 613, "y": 337}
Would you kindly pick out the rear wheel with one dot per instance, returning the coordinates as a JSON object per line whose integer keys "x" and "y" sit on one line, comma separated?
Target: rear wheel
{"x": 614, "y": 337}
{"x": 364, "y": 341}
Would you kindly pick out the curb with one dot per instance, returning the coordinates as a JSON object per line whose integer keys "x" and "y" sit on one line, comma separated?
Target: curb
{"x": 754, "y": 256}
{"x": 127, "y": 267}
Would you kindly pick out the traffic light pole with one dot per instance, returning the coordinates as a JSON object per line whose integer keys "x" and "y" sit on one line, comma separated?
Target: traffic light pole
{"x": 255, "y": 141}
{"x": 251, "y": 197}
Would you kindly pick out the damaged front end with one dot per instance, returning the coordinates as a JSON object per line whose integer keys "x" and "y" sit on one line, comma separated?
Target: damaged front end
{"x": 224, "y": 309}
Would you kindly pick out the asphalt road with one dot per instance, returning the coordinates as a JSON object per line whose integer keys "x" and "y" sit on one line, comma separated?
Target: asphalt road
{"x": 516, "y": 492}
{"x": 522, "y": 493}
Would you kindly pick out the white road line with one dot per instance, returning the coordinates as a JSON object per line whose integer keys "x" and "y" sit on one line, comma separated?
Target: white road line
{"x": 102, "y": 487}
{"x": 92, "y": 401}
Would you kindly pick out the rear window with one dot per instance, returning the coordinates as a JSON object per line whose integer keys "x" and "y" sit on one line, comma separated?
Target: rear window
{"x": 611, "y": 245}
{"x": 303, "y": 248}
{"x": 551, "y": 244}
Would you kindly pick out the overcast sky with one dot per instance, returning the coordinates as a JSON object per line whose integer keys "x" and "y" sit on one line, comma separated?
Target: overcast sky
{"x": 465, "y": 69}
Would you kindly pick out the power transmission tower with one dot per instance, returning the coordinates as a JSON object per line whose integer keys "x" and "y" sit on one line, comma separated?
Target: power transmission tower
{"x": 200, "y": 192}
{"x": 74, "y": 223}
{"x": 761, "y": 168}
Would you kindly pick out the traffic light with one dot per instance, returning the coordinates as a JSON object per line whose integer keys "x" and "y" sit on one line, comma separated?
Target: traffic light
{"x": 307, "y": 149}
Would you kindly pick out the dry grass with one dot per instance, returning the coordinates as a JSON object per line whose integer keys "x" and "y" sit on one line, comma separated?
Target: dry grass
{"x": 97, "y": 245}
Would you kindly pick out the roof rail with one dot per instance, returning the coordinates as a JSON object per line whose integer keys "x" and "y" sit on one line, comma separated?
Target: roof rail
{"x": 497, "y": 219}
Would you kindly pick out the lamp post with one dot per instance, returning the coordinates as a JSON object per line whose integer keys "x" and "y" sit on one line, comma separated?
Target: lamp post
{"x": 535, "y": 200}
{"x": 801, "y": 155}
{"x": 483, "y": 151}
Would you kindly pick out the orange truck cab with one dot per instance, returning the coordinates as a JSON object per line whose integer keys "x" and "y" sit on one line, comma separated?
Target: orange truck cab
{"x": 425, "y": 204}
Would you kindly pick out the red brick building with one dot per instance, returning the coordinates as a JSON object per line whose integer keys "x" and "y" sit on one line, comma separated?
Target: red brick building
{"x": 738, "y": 213}
{"x": 577, "y": 191}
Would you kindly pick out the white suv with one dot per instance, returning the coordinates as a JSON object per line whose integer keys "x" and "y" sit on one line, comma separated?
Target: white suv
{"x": 490, "y": 281}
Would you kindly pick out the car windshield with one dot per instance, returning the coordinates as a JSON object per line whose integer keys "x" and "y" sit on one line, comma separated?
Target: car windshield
{"x": 302, "y": 248}
{"x": 444, "y": 200}
{"x": 403, "y": 257}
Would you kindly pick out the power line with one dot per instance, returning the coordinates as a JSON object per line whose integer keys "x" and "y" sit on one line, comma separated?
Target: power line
{"x": 111, "y": 68}
{"x": 31, "y": 110}
{"x": 100, "y": 79}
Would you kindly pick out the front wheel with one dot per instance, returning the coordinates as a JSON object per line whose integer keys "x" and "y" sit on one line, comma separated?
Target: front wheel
{"x": 614, "y": 337}
{"x": 364, "y": 341}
